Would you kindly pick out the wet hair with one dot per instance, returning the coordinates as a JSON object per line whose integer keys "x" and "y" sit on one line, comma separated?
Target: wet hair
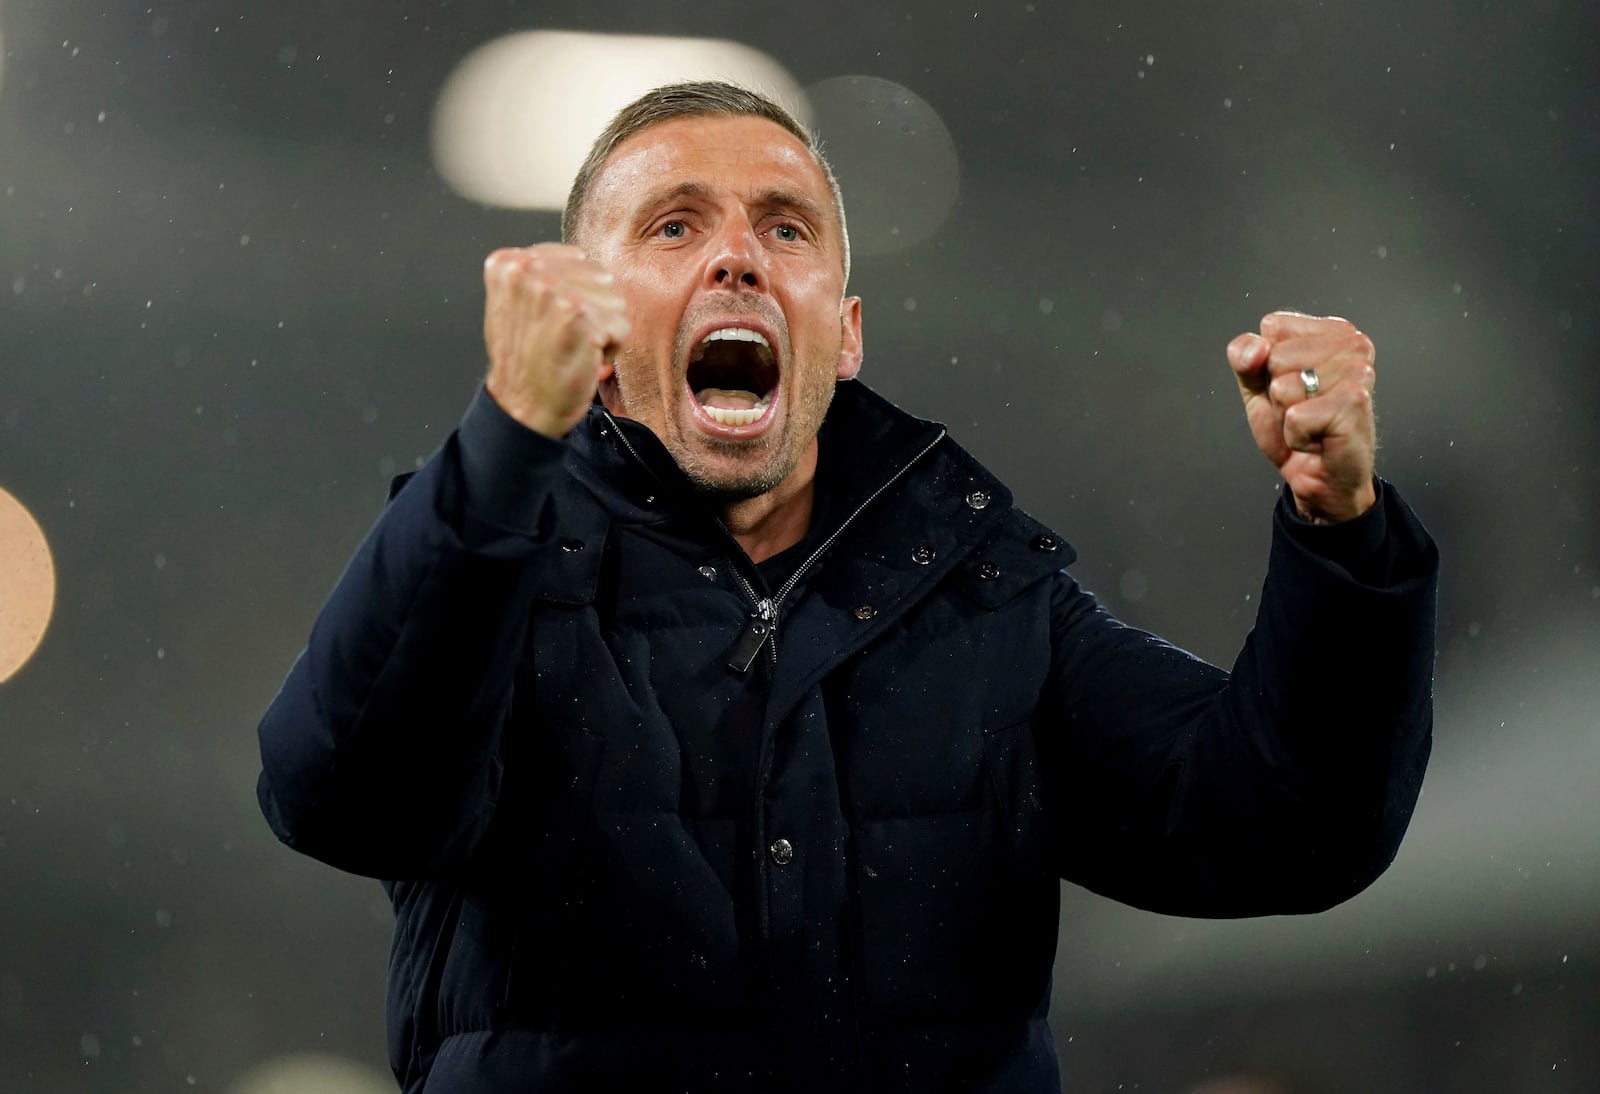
{"x": 701, "y": 99}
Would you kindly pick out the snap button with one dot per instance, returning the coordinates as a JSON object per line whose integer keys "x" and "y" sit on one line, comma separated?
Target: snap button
{"x": 922, "y": 555}
{"x": 782, "y": 851}
{"x": 572, "y": 546}
{"x": 866, "y": 611}
{"x": 978, "y": 499}
{"x": 708, "y": 572}
{"x": 1045, "y": 543}
{"x": 988, "y": 571}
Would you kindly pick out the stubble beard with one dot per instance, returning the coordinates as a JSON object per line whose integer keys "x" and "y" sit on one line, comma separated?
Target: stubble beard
{"x": 760, "y": 465}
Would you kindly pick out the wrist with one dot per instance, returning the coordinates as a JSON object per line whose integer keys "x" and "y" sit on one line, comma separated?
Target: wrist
{"x": 1337, "y": 509}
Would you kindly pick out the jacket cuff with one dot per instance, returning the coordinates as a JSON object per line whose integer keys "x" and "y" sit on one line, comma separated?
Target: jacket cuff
{"x": 1383, "y": 546}
{"x": 506, "y": 468}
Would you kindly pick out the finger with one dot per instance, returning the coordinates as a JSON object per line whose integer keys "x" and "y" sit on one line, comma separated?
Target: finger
{"x": 1288, "y": 388}
{"x": 1312, "y": 351}
{"x": 1310, "y": 422}
{"x": 497, "y": 265}
{"x": 1247, "y": 354}
{"x": 1288, "y": 323}
{"x": 607, "y": 326}
{"x": 555, "y": 251}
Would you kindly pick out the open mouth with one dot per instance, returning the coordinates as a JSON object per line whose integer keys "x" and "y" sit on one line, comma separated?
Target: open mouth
{"x": 733, "y": 375}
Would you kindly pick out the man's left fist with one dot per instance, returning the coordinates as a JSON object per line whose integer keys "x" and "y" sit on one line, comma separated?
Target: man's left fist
{"x": 1307, "y": 388}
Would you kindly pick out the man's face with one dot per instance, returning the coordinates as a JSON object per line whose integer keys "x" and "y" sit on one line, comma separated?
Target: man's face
{"x": 722, "y": 236}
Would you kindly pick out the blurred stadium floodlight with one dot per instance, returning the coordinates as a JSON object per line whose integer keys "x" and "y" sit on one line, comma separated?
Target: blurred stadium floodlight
{"x": 516, "y": 118}
{"x": 312, "y": 1073}
{"x": 894, "y": 157}
{"x": 27, "y": 585}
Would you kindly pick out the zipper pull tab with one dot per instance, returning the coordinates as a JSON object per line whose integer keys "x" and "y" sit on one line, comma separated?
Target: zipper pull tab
{"x": 757, "y": 630}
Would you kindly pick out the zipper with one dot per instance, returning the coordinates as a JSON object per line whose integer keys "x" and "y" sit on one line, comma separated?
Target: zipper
{"x": 761, "y": 629}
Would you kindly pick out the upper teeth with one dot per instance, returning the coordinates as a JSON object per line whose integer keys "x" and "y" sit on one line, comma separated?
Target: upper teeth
{"x": 736, "y": 334}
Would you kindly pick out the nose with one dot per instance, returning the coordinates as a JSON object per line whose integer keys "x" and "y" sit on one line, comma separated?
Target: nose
{"x": 736, "y": 261}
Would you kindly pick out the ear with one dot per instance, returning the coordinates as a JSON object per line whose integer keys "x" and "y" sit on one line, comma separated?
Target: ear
{"x": 608, "y": 390}
{"x": 850, "y": 338}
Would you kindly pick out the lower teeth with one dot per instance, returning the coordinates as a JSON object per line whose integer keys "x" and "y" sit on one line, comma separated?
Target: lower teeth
{"x": 728, "y": 416}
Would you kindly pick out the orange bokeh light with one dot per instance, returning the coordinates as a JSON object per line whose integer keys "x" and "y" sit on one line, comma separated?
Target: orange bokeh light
{"x": 27, "y": 585}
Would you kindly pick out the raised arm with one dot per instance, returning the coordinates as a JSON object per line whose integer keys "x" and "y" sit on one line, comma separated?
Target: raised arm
{"x": 1286, "y": 786}
{"x": 380, "y": 754}
{"x": 1282, "y": 787}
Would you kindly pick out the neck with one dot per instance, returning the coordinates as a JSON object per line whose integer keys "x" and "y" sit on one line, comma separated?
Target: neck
{"x": 775, "y": 521}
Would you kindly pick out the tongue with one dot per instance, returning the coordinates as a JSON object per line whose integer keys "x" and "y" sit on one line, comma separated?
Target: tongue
{"x": 724, "y": 399}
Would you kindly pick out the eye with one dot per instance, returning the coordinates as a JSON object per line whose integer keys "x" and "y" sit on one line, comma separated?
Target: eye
{"x": 673, "y": 229}
{"x": 788, "y": 233}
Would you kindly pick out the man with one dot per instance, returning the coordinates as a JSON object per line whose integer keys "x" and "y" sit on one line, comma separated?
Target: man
{"x": 720, "y": 727}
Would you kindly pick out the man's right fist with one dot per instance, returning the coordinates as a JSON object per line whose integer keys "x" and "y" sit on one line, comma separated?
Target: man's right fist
{"x": 550, "y": 321}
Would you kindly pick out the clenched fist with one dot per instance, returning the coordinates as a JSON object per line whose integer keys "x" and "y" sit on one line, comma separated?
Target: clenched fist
{"x": 551, "y": 321}
{"x": 1307, "y": 388}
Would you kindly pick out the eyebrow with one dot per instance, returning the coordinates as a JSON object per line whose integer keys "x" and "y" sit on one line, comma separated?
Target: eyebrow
{"x": 669, "y": 194}
{"x": 773, "y": 197}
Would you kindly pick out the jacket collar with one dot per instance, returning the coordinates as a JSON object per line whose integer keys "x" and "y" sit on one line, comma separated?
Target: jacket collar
{"x": 864, "y": 441}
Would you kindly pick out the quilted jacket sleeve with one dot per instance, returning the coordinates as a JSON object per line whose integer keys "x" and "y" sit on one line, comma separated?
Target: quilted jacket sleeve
{"x": 380, "y": 752}
{"x": 1282, "y": 787}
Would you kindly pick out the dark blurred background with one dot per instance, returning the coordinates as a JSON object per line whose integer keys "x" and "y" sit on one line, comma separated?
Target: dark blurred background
{"x": 237, "y": 293}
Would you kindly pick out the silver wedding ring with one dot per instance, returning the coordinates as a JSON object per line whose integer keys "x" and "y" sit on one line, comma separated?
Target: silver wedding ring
{"x": 1308, "y": 377}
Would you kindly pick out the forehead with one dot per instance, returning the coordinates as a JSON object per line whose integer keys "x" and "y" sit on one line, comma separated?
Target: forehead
{"x": 743, "y": 156}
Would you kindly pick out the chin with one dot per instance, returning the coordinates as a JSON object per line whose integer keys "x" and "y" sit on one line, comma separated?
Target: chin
{"x": 726, "y": 477}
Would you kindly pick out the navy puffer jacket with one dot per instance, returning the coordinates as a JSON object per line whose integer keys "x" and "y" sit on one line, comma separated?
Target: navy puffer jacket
{"x": 650, "y": 824}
